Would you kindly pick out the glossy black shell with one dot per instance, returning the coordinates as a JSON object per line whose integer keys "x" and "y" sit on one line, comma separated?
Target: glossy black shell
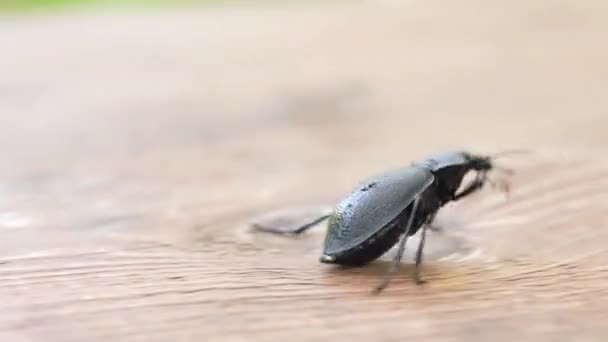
{"x": 361, "y": 227}
{"x": 444, "y": 160}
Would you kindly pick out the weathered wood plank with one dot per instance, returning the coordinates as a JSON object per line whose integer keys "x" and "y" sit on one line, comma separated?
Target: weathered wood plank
{"x": 128, "y": 183}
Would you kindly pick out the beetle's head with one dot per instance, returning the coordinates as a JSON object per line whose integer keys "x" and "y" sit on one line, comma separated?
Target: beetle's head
{"x": 479, "y": 163}
{"x": 483, "y": 164}
{"x": 486, "y": 163}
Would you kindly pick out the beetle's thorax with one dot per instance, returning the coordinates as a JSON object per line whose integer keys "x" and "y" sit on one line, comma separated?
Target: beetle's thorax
{"x": 444, "y": 160}
{"x": 448, "y": 181}
{"x": 430, "y": 202}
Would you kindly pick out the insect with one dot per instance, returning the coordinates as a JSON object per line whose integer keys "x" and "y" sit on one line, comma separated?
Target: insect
{"x": 388, "y": 208}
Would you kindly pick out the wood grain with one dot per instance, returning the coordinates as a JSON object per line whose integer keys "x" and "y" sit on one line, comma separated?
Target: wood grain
{"x": 138, "y": 148}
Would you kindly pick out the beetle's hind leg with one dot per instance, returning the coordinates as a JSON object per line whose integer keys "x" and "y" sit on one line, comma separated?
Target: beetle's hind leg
{"x": 297, "y": 230}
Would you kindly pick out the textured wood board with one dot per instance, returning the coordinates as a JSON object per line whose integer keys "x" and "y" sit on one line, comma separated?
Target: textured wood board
{"x": 137, "y": 148}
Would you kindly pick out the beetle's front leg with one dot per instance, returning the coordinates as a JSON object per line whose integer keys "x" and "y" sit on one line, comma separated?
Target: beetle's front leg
{"x": 476, "y": 185}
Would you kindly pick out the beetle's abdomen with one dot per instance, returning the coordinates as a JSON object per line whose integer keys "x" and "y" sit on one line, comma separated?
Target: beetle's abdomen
{"x": 366, "y": 252}
{"x": 363, "y": 220}
{"x": 381, "y": 242}
{"x": 372, "y": 248}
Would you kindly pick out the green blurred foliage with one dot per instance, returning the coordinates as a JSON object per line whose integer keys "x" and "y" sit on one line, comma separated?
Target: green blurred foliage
{"x": 50, "y": 4}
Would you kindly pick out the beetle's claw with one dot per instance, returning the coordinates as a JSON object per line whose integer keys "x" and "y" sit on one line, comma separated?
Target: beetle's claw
{"x": 270, "y": 229}
{"x": 435, "y": 228}
{"x": 420, "y": 281}
{"x": 380, "y": 287}
{"x": 502, "y": 185}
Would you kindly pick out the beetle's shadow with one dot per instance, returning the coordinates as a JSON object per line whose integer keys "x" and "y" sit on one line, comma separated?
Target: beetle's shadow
{"x": 368, "y": 277}
{"x": 443, "y": 257}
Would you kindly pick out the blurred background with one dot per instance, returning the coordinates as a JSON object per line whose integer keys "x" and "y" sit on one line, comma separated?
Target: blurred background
{"x": 140, "y": 138}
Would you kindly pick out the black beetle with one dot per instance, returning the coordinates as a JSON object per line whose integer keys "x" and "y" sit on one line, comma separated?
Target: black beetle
{"x": 392, "y": 206}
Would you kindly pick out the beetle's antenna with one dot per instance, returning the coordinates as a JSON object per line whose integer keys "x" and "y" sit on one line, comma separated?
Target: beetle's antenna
{"x": 509, "y": 152}
{"x": 505, "y": 170}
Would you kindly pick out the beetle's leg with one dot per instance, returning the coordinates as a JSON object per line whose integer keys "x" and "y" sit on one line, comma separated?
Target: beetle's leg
{"x": 432, "y": 226}
{"x": 401, "y": 249}
{"x": 296, "y": 231}
{"x": 417, "y": 278}
{"x": 502, "y": 185}
{"x": 477, "y": 184}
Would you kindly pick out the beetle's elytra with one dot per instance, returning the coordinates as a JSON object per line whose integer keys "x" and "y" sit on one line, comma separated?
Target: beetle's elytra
{"x": 390, "y": 207}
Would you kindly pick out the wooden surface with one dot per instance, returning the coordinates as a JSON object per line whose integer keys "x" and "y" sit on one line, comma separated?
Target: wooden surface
{"x": 137, "y": 148}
